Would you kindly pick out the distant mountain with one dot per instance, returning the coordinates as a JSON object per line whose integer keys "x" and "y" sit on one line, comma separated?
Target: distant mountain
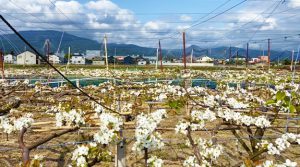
{"x": 78, "y": 44}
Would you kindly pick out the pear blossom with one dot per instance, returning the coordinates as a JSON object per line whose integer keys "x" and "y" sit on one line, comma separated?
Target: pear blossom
{"x": 155, "y": 162}
{"x": 72, "y": 118}
{"x": 145, "y": 134}
{"x": 110, "y": 125}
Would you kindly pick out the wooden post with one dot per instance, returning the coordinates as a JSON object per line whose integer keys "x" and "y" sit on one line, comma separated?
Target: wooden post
{"x": 146, "y": 157}
{"x": 247, "y": 55}
{"x": 269, "y": 53}
{"x": 2, "y": 63}
{"x": 236, "y": 58}
{"x": 156, "y": 64}
{"x": 229, "y": 54}
{"x": 105, "y": 48}
{"x": 121, "y": 154}
{"x": 192, "y": 57}
{"x": 184, "y": 53}
{"x": 160, "y": 56}
{"x": 292, "y": 60}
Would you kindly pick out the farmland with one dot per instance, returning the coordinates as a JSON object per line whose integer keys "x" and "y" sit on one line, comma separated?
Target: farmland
{"x": 146, "y": 117}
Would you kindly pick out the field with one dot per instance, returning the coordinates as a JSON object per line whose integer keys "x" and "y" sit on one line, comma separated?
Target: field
{"x": 138, "y": 116}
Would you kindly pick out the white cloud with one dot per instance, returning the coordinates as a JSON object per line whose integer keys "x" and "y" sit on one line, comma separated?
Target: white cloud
{"x": 185, "y": 18}
{"x": 92, "y": 19}
{"x": 101, "y": 5}
{"x": 294, "y": 3}
{"x": 155, "y": 25}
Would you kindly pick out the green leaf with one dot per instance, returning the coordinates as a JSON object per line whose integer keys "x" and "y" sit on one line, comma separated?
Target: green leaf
{"x": 280, "y": 95}
{"x": 271, "y": 101}
{"x": 292, "y": 109}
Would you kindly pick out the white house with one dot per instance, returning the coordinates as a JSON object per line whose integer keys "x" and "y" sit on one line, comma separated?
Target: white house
{"x": 26, "y": 58}
{"x": 54, "y": 59}
{"x": 77, "y": 59}
{"x": 152, "y": 59}
{"x": 142, "y": 62}
{"x": 9, "y": 59}
{"x": 205, "y": 59}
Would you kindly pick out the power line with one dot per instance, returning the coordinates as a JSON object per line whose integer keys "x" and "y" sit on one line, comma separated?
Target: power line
{"x": 45, "y": 59}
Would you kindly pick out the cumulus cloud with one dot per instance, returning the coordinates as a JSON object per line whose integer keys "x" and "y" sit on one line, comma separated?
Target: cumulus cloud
{"x": 93, "y": 19}
{"x": 294, "y": 3}
{"x": 185, "y": 18}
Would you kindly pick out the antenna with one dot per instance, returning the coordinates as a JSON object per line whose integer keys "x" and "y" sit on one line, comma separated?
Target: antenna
{"x": 47, "y": 48}
{"x": 58, "y": 48}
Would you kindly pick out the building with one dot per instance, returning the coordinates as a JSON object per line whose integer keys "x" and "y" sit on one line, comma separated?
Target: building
{"x": 141, "y": 62}
{"x": 205, "y": 59}
{"x": 119, "y": 59}
{"x": 26, "y": 58}
{"x": 151, "y": 59}
{"x": 9, "y": 59}
{"x": 92, "y": 53}
{"x": 54, "y": 59}
{"x": 254, "y": 60}
{"x": 77, "y": 58}
{"x": 264, "y": 59}
{"x": 98, "y": 61}
{"x": 129, "y": 60}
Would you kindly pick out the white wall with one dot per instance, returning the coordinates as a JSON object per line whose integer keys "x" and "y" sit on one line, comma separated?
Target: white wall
{"x": 77, "y": 60}
{"x": 9, "y": 59}
{"x": 26, "y": 58}
{"x": 190, "y": 64}
{"x": 54, "y": 59}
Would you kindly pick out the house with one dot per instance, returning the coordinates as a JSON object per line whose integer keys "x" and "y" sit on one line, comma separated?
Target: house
{"x": 111, "y": 60}
{"x": 26, "y": 58}
{"x": 77, "y": 58}
{"x": 54, "y": 59}
{"x": 151, "y": 60}
{"x": 205, "y": 59}
{"x": 98, "y": 61}
{"x": 9, "y": 59}
{"x": 129, "y": 60}
{"x": 141, "y": 62}
{"x": 264, "y": 59}
{"x": 119, "y": 59}
{"x": 254, "y": 60}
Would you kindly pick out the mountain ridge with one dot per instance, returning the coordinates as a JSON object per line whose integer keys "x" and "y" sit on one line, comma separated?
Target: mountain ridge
{"x": 79, "y": 44}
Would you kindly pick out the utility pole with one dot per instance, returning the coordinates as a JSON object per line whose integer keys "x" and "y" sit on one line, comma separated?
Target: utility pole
{"x": 229, "y": 54}
{"x": 105, "y": 48}
{"x": 160, "y": 56}
{"x": 192, "y": 56}
{"x": 247, "y": 55}
{"x": 269, "y": 53}
{"x": 2, "y": 63}
{"x": 115, "y": 58}
{"x": 68, "y": 61}
{"x": 156, "y": 59}
{"x": 24, "y": 62}
{"x": 236, "y": 58}
{"x": 184, "y": 53}
{"x": 293, "y": 52}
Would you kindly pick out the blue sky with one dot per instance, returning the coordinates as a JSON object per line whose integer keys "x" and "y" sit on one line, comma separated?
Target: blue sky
{"x": 144, "y": 22}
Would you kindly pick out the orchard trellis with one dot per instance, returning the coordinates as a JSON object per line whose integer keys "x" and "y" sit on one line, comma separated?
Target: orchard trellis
{"x": 250, "y": 119}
